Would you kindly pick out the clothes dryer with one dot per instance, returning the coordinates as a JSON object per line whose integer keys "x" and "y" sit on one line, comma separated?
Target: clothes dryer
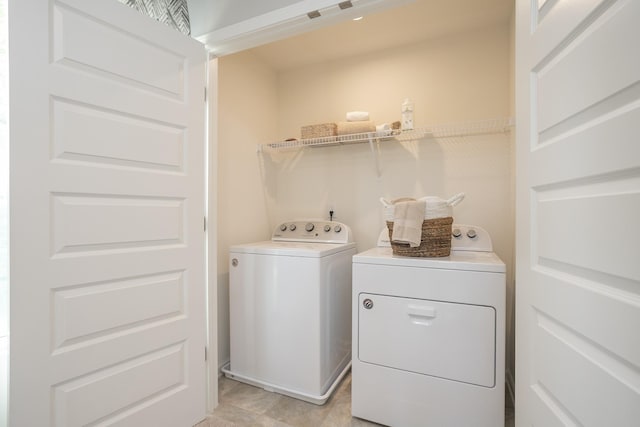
{"x": 290, "y": 309}
{"x": 429, "y": 335}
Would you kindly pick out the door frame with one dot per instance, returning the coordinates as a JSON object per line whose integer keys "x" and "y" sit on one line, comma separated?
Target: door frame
{"x": 211, "y": 203}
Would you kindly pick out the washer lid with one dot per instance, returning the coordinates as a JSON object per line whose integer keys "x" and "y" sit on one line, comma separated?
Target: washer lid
{"x": 295, "y": 249}
{"x": 458, "y": 260}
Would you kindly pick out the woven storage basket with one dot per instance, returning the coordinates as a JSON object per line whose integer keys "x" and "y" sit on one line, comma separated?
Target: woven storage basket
{"x": 434, "y": 242}
{"x": 435, "y": 239}
{"x": 319, "y": 131}
{"x": 435, "y": 207}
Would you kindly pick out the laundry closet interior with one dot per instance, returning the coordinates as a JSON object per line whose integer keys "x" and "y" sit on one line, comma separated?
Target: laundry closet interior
{"x": 453, "y": 59}
{"x": 139, "y": 158}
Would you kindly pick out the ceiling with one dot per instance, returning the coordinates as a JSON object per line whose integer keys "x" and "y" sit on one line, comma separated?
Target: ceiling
{"x": 411, "y": 23}
{"x": 229, "y": 26}
{"x": 211, "y": 15}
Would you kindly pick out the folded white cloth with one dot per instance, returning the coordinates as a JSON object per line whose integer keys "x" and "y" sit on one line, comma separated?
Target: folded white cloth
{"x": 383, "y": 130}
{"x": 357, "y": 116}
{"x": 407, "y": 222}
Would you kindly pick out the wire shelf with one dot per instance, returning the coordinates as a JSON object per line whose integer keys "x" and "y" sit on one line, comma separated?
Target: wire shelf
{"x": 438, "y": 131}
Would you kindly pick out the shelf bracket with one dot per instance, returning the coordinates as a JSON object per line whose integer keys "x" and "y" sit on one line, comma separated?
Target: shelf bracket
{"x": 374, "y": 153}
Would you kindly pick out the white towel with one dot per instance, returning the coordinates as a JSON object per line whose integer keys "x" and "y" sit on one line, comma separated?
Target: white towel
{"x": 357, "y": 116}
{"x": 383, "y": 130}
{"x": 407, "y": 222}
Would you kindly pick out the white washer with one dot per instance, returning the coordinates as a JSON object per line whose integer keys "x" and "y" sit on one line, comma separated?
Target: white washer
{"x": 429, "y": 335}
{"x": 290, "y": 309}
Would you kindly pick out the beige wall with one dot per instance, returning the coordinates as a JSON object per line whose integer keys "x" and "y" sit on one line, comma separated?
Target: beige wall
{"x": 246, "y": 111}
{"x": 464, "y": 77}
{"x": 454, "y": 79}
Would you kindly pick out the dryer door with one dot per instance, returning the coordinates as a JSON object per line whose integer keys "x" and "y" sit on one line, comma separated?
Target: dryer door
{"x": 442, "y": 339}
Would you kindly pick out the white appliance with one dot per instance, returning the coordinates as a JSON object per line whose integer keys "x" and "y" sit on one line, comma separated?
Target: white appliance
{"x": 429, "y": 335}
{"x": 290, "y": 309}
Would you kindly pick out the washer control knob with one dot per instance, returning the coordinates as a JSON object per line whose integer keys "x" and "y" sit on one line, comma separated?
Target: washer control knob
{"x": 309, "y": 227}
{"x": 292, "y": 227}
{"x": 456, "y": 232}
{"x": 368, "y": 304}
{"x": 471, "y": 233}
{"x": 283, "y": 227}
{"x": 327, "y": 228}
{"x": 337, "y": 228}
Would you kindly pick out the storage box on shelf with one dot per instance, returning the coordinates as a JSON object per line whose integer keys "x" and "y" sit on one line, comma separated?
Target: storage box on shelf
{"x": 321, "y": 130}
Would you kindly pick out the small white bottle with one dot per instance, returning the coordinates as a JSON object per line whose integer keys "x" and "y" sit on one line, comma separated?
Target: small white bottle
{"x": 407, "y": 115}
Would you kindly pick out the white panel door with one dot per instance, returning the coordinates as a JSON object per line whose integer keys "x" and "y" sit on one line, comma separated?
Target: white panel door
{"x": 578, "y": 206}
{"x": 107, "y": 202}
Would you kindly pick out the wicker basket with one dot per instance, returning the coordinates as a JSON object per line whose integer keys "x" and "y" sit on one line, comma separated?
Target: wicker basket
{"x": 319, "y": 131}
{"x": 435, "y": 240}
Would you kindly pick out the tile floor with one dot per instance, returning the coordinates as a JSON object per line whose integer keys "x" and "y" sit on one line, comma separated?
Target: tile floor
{"x": 245, "y": 405}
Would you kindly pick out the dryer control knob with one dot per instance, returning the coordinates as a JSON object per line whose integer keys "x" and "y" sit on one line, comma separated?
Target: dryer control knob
{"x": 283, "y": 227}
{"x": 327, "y": 228}
{"x": 292, "y": 227}
{"x": 456, "y": 232}
{"x": 309, "y": 227}
{"x": 471, "y": 233}
{"x": 337, "y": 229}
